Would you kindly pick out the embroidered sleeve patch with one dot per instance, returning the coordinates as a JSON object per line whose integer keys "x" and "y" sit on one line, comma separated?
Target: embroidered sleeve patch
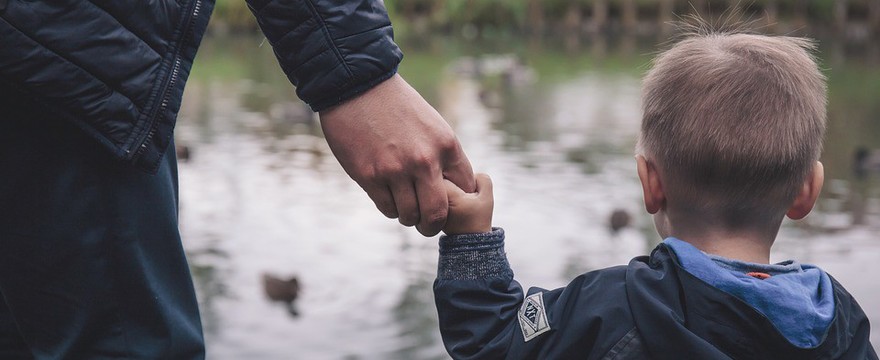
{"x": 533, "y": 317}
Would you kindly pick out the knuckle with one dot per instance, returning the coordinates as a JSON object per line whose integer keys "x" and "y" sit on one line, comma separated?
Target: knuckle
{"x": 436, "y": 218}
{"x": 388, "y": 170}
{"x": 387, "y": 209}
{"x": 425, "y": 159}
{"x": 428, "y": 231}
{"x": 409, "y": 218}
{"x": 372, "y": 173}
{"x": 364, "y": 176}
{"x": 422, "y": 161}
{"x": 382, "y": 199}
{"x": 448, "y": 144}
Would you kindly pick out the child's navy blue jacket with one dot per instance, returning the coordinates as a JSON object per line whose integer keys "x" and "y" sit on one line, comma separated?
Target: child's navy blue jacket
{"x": 649, "y": 309}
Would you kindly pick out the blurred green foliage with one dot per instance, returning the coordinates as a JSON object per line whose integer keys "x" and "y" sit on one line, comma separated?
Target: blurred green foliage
{"x": 507, "y": 15}
{"x": 233, "y": 14}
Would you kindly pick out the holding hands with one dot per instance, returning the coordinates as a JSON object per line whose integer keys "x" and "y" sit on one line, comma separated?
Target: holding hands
{"x": 470, "y": 213}
{"x": 400, "y": 151}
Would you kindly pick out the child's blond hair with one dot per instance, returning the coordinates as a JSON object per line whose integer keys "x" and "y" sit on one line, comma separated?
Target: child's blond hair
{"x": 734, "y": 122}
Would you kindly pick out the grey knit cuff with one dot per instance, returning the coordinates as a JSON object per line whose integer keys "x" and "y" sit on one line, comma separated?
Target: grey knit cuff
{"x": 473, "y": 256}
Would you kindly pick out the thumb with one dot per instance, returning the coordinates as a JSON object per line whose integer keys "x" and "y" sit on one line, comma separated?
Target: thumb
{"x": 484, "y": 185}
{"x": 457, "y": 168}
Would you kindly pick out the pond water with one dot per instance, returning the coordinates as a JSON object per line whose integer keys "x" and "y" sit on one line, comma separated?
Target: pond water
{"x": 553, "y": 124}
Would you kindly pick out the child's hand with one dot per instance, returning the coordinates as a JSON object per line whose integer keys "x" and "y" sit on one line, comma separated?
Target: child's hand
{"x": 470, "y": 213}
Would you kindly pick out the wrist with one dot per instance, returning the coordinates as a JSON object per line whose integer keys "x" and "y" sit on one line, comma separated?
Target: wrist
{"x": 475, "y": 241}
{"x": 377, "y": 90}
{"x": 462, "y": 229}
{"x": 473, "y": 257}
{"x": 353, "y": 92}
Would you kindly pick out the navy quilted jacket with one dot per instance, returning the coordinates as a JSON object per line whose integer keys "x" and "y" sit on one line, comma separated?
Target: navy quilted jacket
{"x": 117, "y": 68}
{"x": 649, "y": 309}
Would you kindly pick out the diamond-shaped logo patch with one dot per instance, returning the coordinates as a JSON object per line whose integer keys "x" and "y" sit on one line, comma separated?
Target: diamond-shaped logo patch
{"x": 533, "y": 316}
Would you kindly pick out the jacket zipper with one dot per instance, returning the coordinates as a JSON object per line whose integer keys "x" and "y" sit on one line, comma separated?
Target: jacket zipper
{"x": 166, "y": 91}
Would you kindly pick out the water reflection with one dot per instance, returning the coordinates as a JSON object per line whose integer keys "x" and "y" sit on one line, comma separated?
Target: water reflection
{"x": 416, "y": 326}
{"x": 554, "y": 124}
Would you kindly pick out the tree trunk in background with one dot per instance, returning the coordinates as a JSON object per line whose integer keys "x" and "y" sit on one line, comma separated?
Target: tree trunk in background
{"x": 874, "y": 15}
{"x": 733, "y": 13}
{"x": 409, "y": 10}
{"x": 771, "y": 14}
{"x": 840, "y": 15}
{"x": 800, "y": 15}
{"x": 438, "y": 12}
{"x": 573, "y": 18}
{"x": 630, "y": 15}
{"x": 664, "y": 16}
{"x": 600, "y": 16}
{"x": 535, "y": 17}
{"x": 701, "y": 7}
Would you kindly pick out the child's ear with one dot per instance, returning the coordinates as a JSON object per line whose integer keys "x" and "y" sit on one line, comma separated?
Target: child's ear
{"x": 655, "y": 198}
{"x": 806, "y": 198}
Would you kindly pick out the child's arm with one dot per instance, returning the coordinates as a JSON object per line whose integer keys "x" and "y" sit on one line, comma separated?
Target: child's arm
{"x": 475, "y": 293}
{"x": 483, "y": 312}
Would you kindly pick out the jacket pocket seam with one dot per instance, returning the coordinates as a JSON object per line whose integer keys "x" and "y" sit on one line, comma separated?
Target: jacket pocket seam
{"x": 621, "y": 345}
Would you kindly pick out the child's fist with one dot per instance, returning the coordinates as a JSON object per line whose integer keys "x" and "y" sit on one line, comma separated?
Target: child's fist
{"x": 470, "y": 213}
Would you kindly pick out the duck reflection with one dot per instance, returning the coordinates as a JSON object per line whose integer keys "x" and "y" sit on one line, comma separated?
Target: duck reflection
{"x": 618, "y": 220}
{"x": 866, "y": 162}
{"x": 282, "y": 290}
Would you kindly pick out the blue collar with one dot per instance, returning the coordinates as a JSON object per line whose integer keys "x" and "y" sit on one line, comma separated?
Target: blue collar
{"x": 797, "y": 298}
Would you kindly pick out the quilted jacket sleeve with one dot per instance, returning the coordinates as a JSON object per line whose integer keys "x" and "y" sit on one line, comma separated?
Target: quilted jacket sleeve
{"x": 331, "y": 50}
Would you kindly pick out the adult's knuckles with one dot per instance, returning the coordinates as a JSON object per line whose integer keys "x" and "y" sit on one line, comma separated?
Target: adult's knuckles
{"x": 409, "y": 218}
{"x": 387, "y": 208}
{"x": 366, "y": 175}
{"x": 408, "y": 167}
{"x": 449, "y": 145}
{"x": 428, "y": 231}
{"x": 435, "y": 219}
{"x": 422, "y": 161}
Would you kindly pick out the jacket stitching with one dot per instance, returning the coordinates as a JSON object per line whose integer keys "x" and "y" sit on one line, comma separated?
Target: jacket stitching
{"x": 310, "y": 60}
{"x": 158, "y": 52}
{"x": 363, "y": 32}
{"x": 621, "y": 345}
{"x": 329, "y": 38}
{"x": 69, "y": 61}
{"x": 309, "y": 25}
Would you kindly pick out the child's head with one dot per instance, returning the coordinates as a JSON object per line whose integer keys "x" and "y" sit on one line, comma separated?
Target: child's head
{"x": 733, "y": 125}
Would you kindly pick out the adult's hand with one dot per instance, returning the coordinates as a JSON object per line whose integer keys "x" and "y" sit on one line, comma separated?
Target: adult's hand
{"x": 399, "y": 150}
